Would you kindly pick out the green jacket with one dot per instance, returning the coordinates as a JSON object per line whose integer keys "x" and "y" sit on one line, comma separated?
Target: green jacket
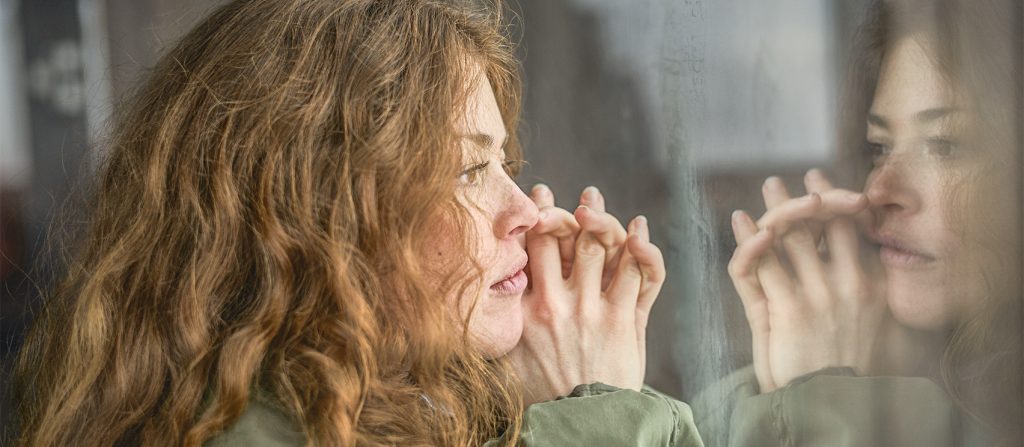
{"x": 592, "y": 415}
{"x": 833, "y": 407}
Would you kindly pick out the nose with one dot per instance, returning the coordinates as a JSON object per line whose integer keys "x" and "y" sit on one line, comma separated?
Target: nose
{"x": 517, "y": 214}
{"x": 889, "y": 187}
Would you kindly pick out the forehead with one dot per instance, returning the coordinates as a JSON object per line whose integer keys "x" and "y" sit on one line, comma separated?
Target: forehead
{"x": 482, "y": 113}
{"x": 910, "y": 80}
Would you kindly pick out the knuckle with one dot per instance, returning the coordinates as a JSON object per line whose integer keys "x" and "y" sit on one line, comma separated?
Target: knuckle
{"x": 550, "y": 311}
{"x": 655, "y": 277}
{"x": 734, "y": 268}
{"x": 799, "y": 236}
{"x": 631, "y": 269}
{"x": 590, "y": 247}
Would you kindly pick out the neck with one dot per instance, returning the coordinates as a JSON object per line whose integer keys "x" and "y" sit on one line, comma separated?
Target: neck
{"x": 909, "y": 352}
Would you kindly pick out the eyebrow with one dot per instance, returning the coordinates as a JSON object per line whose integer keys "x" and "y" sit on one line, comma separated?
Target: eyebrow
{"x": 934, "y": 114}
{"x": 483, "y": 140}
{"x": 923, "y": 116}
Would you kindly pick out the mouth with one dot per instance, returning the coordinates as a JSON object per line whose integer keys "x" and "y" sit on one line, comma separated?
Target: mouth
{"x": 894, "y": 252}
{"x": 513, "y": 282}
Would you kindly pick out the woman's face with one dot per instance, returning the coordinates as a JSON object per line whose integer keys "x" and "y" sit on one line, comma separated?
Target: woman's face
{"x": 502, "y": 214}
{"x": 922, "y": 191}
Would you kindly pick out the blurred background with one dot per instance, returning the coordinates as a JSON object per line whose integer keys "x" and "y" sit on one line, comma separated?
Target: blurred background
{"x": 676, "y": 109}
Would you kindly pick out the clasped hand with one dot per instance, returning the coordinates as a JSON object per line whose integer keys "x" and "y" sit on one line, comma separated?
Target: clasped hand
{"x": 591, "y": 287}
{"x": 804, "y": 287}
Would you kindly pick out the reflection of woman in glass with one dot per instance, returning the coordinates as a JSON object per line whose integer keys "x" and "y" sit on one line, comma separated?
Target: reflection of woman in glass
{"x": 306, "y": 232}
{"x": 914, "y": 339}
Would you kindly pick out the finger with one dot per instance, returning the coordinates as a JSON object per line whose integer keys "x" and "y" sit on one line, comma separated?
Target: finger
{"x": 801, "y": 249}
{"x": 652, "y": 265}
{"x": 624, "y": 288}
{"x": 774, "y": 192}
{"x": 752, "y": 245}
{"x": 542, "y": 196}
{"x": 840, "y": 233}
{"x": 815, "y": 181}
{"x": 802, "y": 252}
{"x": 798, "y": 242}
{"x": 542, "y": 245}
{"x": 605, "y": 227}
{"x": 567, "y": 249}
{"x": 610, "y": 233}
{"x": 557, "y": 223}
{"x": 776, "y": 195}
{"x": 772, "y": 275}
{"x": 649, "y": 259}
{"x": 593, "y": 198}
{"x": 828, "y": 205}
{"x": 588, "y": 264}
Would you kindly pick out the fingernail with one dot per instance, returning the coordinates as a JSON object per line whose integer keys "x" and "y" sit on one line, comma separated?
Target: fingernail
{"x": 772, "y": 182}
{"x": 641, "y": 226}
{"x": 583, "y": 208}
{"x": 736, "y": 216}
{"x": 854, "y": 196}
{"x": 541, "y": 188}
{"x": 590, "y": 194}
{"x": 815, "y": 174}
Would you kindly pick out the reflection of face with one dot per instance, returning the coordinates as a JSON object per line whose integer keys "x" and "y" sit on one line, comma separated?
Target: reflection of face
{"x": 502, "y": 214}
{"x": 919, "y": 188}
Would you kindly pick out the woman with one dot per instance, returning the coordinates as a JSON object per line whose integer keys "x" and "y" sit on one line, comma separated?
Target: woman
{"x": 306, "y": 232}
{"x": 914, "y": 338}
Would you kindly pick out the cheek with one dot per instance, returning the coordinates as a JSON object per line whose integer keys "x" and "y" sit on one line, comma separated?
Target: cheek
{"x": 443, "y": 259}
{"x": 976, "y": 238}
{"x": 945, "y": 216}
{"x": 482, "y": 206}
{"x": 439, "y": 252}
{"x": 497, "y": 325}
{"x": 921, "y": 307}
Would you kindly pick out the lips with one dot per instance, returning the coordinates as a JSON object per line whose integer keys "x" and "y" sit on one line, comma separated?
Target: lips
{"x": 513, "y": 282}
{"x": 895, "y": 252}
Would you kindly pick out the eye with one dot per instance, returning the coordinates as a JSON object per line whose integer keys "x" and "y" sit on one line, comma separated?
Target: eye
{"x": 512, "y": 167}
{"x": 472, "y": 174}
{"x": 876, "y": 150}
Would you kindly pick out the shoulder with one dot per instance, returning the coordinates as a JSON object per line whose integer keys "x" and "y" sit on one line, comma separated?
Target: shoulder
{"x": 833, "y": 406}
{"x": 599, "y": 414}
{"x": 260, "y": 426}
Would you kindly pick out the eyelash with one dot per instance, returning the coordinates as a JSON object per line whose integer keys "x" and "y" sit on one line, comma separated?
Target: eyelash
{"x": 512, "y": 167}
{"x": 938, "y": 146}
{"x": 876, "y": 150}
{"x": 471, "y": 175}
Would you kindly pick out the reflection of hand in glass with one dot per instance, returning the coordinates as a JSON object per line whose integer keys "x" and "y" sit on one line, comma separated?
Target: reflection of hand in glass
{"x": 584, "y": 327}
{"x": 807, "y": 308}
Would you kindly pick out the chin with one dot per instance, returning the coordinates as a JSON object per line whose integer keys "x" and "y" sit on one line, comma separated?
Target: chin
{"x": 924, "y": 308}
{"x": 498, "y": 328}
